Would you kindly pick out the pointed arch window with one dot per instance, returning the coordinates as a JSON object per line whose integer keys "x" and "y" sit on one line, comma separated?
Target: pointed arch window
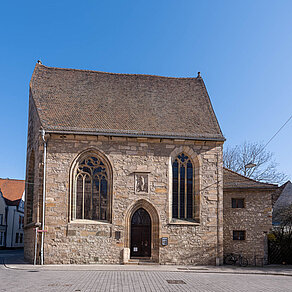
{"x": 183, "y": 187}
{"x": 30, "y": 189}
{"x": 91, "y": 189}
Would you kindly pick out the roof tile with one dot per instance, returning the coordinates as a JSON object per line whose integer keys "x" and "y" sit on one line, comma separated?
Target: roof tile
{"x": 123, "y": 104}
{"x": 233, "y": 180}
{"x": 12, "y": 189}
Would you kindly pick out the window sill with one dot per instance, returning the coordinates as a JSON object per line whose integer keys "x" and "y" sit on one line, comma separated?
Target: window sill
{"x": 183, "y": 222}
{"x": 88, "y": 222}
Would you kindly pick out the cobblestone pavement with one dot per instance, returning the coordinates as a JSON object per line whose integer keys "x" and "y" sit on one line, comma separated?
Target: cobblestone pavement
{"x": 13, "y": 279}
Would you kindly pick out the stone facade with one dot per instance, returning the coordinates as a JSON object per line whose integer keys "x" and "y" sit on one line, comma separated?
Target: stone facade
{"x": 139, "y": 126}
{"x": 35, "y": 157}
{"x": 82, "y": 241}
{"x": 255, "y": 219}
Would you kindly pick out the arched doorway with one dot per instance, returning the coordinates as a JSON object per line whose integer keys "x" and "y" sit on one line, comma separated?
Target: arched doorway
{"x": 140, "y": 234}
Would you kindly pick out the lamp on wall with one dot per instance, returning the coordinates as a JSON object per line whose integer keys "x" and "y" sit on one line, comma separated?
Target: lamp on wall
{"x": 250, "y": 165}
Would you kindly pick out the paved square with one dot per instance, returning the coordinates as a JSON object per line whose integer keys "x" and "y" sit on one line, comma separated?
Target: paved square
{"x": 117, "y": 278}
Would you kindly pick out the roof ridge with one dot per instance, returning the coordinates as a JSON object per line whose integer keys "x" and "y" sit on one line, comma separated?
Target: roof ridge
{"x": 284, "y": 184}
{"x": 112, "y": 73}
{"x": 248, "y": 178}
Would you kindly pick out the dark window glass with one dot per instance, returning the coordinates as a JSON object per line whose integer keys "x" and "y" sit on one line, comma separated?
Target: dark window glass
{"x": 1, "y": 238}
{"x": 91, "y": 195}
{"x": 238, "y": 235}
{"x": 182, "y": 187}
{"x": 189, "y": 190}
{"x": 16, "y": 238}
{"x": 95, "y": 198}
{"x": 141, "y": 217}
{"x": 175, "y": 189}
{"x": 30, "y": 189}
{"x": 237, "y": 203}
{"x": 103, "y": 198}
{"x": 79, "y": 197}
{"x": 182, "y": 191}
{"x": 20, "y": 222}
{"x": 87, "y": 198}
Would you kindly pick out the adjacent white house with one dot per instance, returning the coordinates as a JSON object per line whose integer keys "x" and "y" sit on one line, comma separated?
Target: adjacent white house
{"x": 2, "y": 220}
{"x": 12, "y": 198}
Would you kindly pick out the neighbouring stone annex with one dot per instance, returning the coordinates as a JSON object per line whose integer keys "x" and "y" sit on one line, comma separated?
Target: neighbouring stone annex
{"x": 247, "y": 213}
{"x": 123, "y": 167}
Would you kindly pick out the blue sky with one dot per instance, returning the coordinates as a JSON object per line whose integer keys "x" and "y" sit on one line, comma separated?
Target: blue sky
{"x": 242, "y": 49}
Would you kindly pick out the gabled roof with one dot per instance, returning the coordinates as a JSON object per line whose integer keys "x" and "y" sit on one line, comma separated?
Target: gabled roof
{"x": 83, "y": 101}
{"x": 234, "y": 180}
{"x": 278, "y": 192}
{"x": 285, "y": 197}
{"x": 12, "y": 190}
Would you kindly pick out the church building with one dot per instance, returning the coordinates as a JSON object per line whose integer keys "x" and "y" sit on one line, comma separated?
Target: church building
{"x": 122, "y": 168}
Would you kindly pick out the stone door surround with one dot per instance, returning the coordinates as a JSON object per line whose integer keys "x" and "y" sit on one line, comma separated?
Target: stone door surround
{"x": 142, "y": 203}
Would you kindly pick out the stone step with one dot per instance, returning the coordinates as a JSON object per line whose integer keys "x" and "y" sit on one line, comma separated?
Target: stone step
{"x": 140, "y": 262}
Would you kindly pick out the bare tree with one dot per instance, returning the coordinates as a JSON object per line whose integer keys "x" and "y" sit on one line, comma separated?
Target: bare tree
{"x": 238, "y": 157}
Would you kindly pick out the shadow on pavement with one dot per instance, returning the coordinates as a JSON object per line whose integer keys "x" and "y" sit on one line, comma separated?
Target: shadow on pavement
{"x": 12, "y": 256}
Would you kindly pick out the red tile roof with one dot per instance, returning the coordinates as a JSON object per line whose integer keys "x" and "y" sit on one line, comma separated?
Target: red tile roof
{"x": 12, "y": 189}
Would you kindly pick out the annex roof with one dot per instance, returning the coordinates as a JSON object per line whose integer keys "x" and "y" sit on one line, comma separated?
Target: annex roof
{"x": 12, "y": 190}
{"x": 285, "y": 197}
{"x": 70, "y": 100}
{"x": 234, "y": 180}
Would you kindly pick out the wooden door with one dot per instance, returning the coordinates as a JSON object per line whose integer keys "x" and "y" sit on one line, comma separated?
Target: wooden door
{"x": 141, "y": 234}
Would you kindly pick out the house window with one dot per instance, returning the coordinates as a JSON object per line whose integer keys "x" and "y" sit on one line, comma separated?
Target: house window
{"x": 16, "y": 237}
{"x": 1, "y": 238}
{"x": 91, "y": 189}
{"x": 30, "y": 189}
{"x": 21, "y": 238}
{"x": 237, "y": 203}
{"x": 20, "y": 222}
{"x": 238, "y": 235}
{"x": 183, "y": 187}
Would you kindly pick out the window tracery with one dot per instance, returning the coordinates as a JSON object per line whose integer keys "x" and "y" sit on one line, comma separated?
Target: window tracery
{"x": 91, "y": 190}
{"x": 183, "y": 187}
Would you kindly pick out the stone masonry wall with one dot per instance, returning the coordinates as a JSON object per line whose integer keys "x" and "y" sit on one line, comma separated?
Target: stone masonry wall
{"x": 94, "y": 242}
{"x": 34, "y": 147}
{"x": 255, "y": 218}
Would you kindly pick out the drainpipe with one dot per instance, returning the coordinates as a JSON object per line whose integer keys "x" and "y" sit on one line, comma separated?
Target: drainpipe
{"x": 37, "y": 226}
{"x": 218, "y": 232}
{"x": 44, "y": 197}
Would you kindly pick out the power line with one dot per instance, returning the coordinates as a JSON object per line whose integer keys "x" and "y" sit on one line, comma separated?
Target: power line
{"x": 277, "y": 132}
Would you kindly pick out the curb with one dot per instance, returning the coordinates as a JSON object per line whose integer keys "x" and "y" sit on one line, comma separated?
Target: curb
{"x": 174, "y": 270}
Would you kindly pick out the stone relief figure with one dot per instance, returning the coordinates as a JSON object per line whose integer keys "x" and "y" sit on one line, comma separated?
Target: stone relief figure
{"x": 142, "y": 183}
